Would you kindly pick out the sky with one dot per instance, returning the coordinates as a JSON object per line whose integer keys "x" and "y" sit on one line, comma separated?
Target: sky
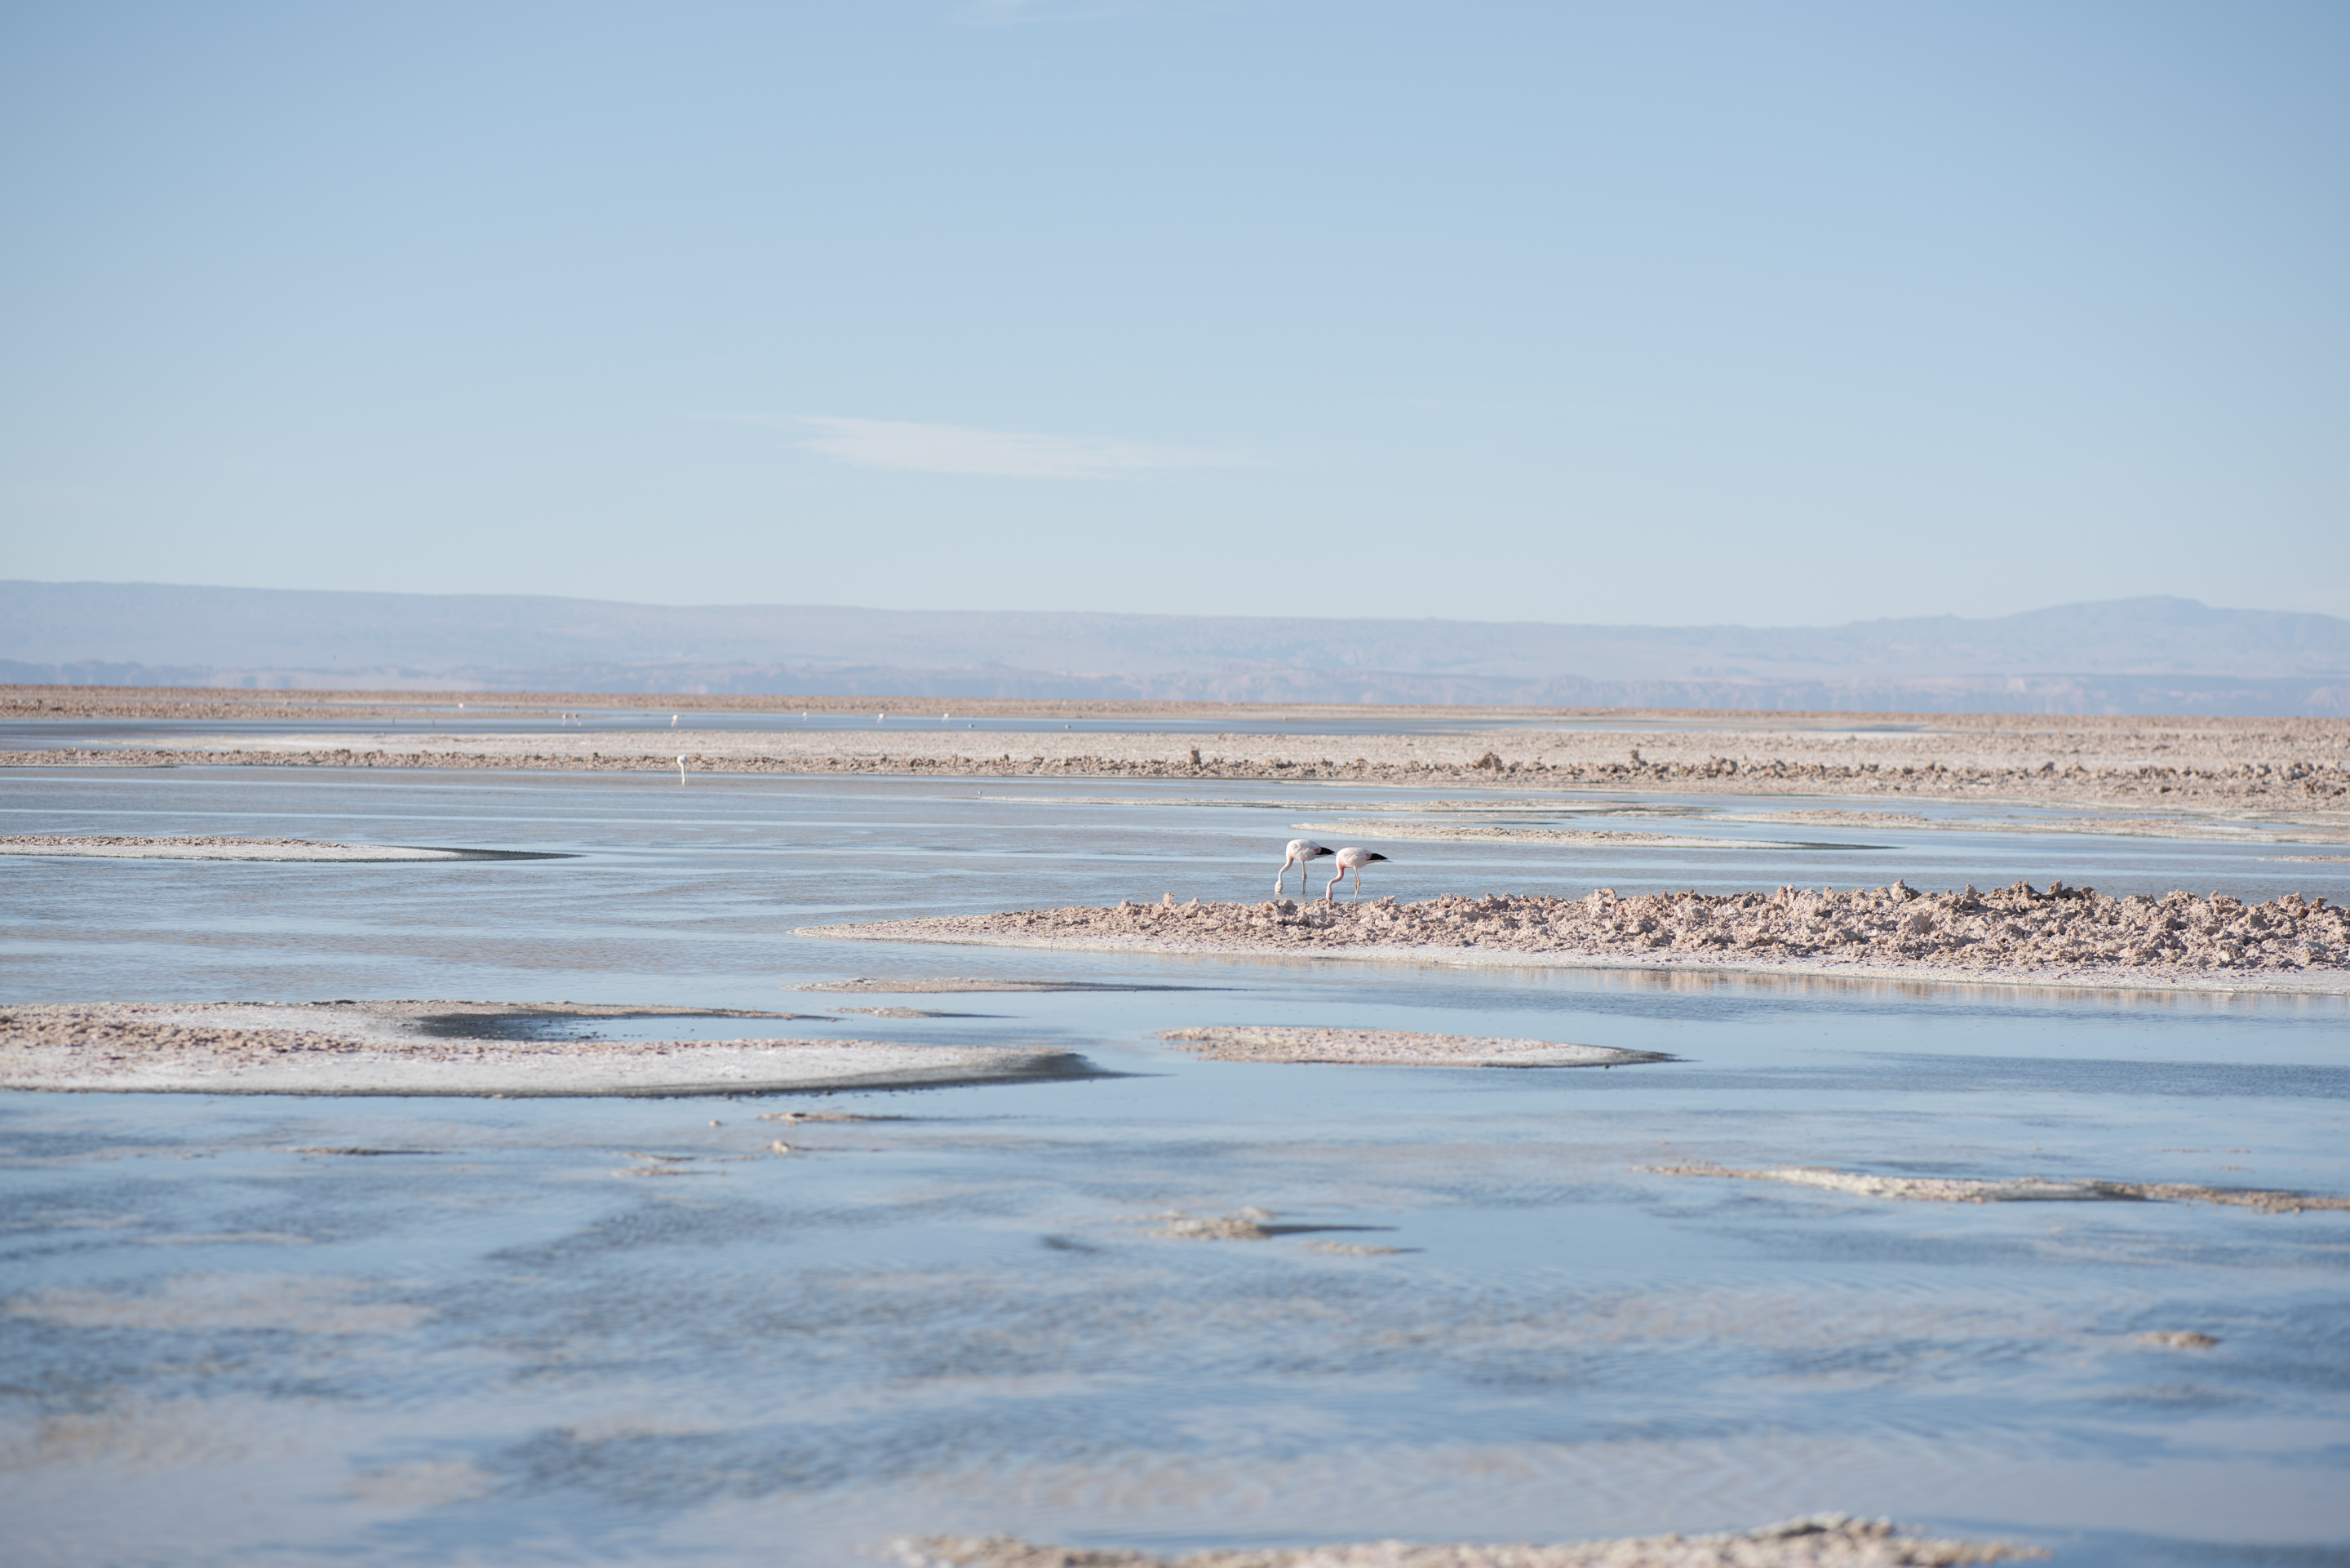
{"x": 1670, "y": 313}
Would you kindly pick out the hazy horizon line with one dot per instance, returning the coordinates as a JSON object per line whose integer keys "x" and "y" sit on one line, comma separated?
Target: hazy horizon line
{"x": 1164, "y": 615}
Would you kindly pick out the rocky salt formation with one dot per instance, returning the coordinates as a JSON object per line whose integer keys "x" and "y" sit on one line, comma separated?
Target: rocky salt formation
{"x": 1821, "y": 1540}
{"x": 2020, "y": 1189}
{"x": 2007, "y": 933}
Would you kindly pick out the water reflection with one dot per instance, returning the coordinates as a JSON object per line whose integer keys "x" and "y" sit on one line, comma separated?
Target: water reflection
{"x": 617, "y": 1332}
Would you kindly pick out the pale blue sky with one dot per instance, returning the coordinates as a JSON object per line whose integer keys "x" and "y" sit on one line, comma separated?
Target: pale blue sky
{"x": 1668, "y": 313}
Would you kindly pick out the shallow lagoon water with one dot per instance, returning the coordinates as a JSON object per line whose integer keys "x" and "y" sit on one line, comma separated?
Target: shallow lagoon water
{"x": 524, "y": 1345}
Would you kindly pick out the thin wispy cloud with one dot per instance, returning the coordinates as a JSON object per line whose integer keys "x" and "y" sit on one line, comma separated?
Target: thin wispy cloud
{"x": 1020, "y": 12}
{"x": 1001, "y": 454}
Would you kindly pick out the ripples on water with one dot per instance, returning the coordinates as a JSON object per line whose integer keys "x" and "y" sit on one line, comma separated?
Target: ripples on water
{"x": 517, "y": 1346}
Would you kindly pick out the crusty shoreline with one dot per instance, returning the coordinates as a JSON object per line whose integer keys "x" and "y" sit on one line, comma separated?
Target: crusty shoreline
{"x": 1453, "y": 760}
{"x": 454, "y": 1048}
{"x": 2070, "y": 938}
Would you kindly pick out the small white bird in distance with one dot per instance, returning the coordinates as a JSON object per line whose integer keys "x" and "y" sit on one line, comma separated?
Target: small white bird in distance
{"x": 1301, "y": 850}
{"x": 1351, "y": 859}
{"x": 681, "y": 770}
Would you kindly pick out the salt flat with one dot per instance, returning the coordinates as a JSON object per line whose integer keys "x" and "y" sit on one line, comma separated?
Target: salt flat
{"x": 2287, "y": 774}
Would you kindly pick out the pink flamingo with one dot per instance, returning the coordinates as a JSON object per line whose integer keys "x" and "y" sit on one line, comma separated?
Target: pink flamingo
{"x": 1301, "y": 850}
{"x": 1351, "y": 860}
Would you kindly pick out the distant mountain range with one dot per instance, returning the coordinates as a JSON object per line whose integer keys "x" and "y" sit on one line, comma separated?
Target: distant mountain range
{"x": 2119, "y": 656}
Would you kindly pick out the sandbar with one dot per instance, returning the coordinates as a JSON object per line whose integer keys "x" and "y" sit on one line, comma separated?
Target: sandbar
{"x": 470, "y": 1049}
{"x": 2016, "y": 1189}
{"x": 116, "y": 848}
{"x": 1257, "y": 1225}
{"x": 1393, "y": 1048}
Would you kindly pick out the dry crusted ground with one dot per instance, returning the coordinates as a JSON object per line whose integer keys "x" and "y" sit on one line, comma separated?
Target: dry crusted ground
{"x": 1825, "y": 1540}
{"x": 2005, "y": 932}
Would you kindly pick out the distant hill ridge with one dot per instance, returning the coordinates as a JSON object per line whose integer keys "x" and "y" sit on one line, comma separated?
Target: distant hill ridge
{"x": 2137, "y": 655}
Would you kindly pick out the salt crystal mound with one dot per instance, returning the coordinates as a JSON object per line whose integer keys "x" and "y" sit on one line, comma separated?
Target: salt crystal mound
{"x": 1242, "y": 1225}
{"x": 2005, "y": 932}
{"x": 1819, "y": 1541}
{"x": 1393, "y": 1048}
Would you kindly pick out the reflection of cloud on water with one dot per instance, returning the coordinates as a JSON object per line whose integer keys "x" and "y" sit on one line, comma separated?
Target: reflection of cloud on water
{"x": 145, "y": 1434}
{"x": 294, "y": 1302}
{"x": 420, "y": 1484}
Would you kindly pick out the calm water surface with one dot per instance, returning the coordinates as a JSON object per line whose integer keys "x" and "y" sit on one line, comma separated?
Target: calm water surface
{"x": 512, "y": 1345}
